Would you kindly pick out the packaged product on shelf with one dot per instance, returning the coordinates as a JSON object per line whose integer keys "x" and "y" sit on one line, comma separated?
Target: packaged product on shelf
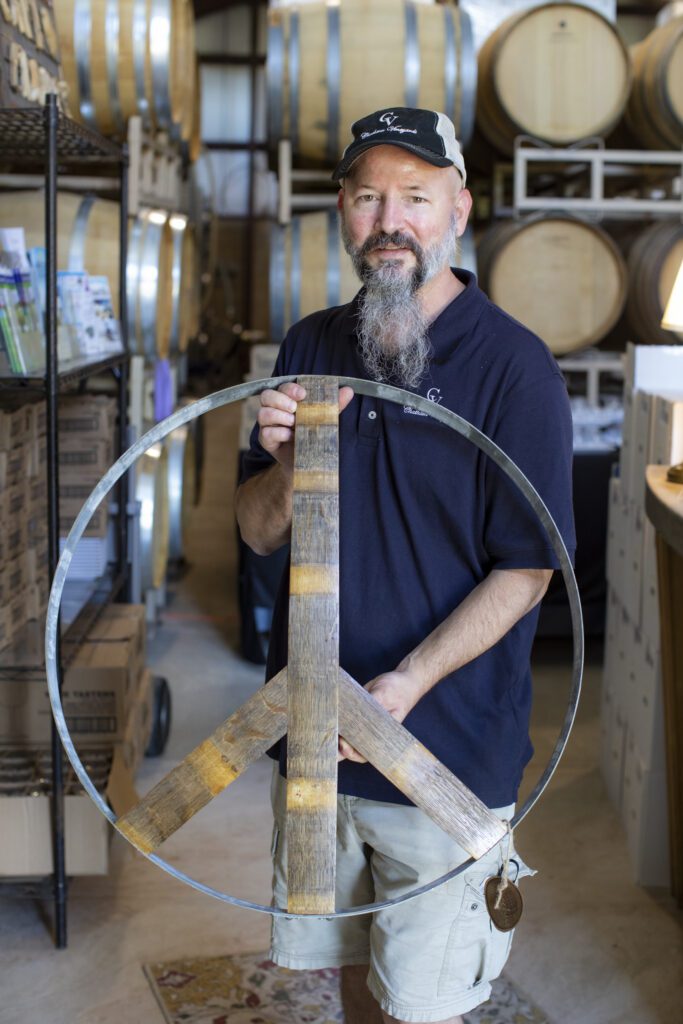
{"x": 78, "y": 310}
{"x": 108, "y": 330}
{"x": 66, "y": 342}
{"x": 87, "y": 414}
{"x": 24, "y": 339}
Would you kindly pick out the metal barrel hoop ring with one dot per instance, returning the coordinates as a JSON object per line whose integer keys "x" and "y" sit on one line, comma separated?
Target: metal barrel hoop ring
{"x": 238, "y": 393}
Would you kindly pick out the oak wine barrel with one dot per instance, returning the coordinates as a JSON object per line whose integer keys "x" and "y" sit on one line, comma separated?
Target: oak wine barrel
{"x": 126, "y": 57}
{"x": 181, "y": 488}
{"x": 655, "y": 108}
{"x": 653, "y": 262}
{"x": 562, "y": 277}
{"x": 559, "y": 72}
{"x": 330, "y": 64}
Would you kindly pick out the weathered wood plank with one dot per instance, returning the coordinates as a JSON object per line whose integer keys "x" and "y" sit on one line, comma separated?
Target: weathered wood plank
{"x": 414, "y": 770}
{"x": 209, "y": 768}
{"x": 313, "y": 657}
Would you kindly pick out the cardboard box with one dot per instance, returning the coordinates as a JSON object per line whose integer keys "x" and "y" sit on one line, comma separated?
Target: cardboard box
{"x": 15, "y": 425}
{"x": 98, "y": 688}
{"x": 83, "y": 459}
{"x": 645, "y": 817}
{"x": 87, "y": 414}
{"x": 99, "y": 522}
{"x": 126, "y": 623}
{"x": 26, "y": 836}
{"x": 16, "y": 608}
{"x": 667, "y": 441}
{"x": 37, "y": 564}
{"x": 652, "y": 367}
{"x": 15, "y": 503}
{"x": 5, "y": 631}
{"x": 139, "y": 725}
{"x": 39, "y": 458}
{"x": 14, "y": 576}
{"x": 17, "y": 466}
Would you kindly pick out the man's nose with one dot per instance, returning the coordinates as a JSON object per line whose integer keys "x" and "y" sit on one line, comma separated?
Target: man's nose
{"x": 390, "y": 216}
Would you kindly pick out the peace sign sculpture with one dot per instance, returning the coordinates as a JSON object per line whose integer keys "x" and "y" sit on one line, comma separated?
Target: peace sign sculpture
{"x": 312, "y": 699}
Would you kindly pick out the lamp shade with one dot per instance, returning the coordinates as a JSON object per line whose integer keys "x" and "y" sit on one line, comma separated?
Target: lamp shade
{"x": 673, "y": 314}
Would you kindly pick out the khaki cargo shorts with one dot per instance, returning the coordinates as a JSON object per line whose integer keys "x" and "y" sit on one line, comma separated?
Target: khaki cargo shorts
{"x": 430, "y": 958}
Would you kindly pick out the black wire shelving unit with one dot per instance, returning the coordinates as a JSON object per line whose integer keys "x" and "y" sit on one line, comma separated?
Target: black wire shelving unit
{"x": 45, "y": 139}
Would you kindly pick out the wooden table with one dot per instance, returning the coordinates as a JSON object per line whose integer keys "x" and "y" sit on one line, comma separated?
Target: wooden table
{"x": 664, "y": 507}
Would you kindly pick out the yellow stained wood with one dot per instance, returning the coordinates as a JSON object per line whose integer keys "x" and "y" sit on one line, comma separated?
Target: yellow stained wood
{"x": 310, "y": 794}
{"x": 316, "y": 414}
{"x": 309, "y": 903}
{"x": 213, "y": 770}
{"x": 326, "y": 481}
{"x": 313, "y": 579}
{"x": 135, "y": 836}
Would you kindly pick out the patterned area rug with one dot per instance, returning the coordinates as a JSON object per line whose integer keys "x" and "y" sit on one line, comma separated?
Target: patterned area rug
{"x": 251, "y": 989}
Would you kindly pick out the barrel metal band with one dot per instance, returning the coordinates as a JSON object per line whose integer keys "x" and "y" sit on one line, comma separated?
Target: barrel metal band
{"x": 295, "y": 271}
{"x": 149, "y": 281}
{"x": 238, "y": 393}
{"x": 277, "y": 276}
{"x": 275, "y": 79}
{"x": 450, "y": 66}
{"x": 111, "y": 42}
{"x": 333, "y": 268}
{"x": 411, "y": 69}
{"x": 294, "y": 72}
{"x": 160, "y": 51}
{"x": 140, "y": 58}
{"x": 78, "y": 234}
{"x": 466, "y": 98}
{"x": 82, "y": 36}
{"x": 133, "y": 265}
{"x": 334, "y": 73}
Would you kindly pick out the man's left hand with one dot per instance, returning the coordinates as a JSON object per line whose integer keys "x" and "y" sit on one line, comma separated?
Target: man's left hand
{"x": 398, "y": 692}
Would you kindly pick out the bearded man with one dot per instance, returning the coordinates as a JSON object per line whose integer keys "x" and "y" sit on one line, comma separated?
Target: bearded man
{"x": 442, "y": 566}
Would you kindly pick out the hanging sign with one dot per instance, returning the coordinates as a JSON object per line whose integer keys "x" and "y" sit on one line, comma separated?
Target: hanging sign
{"x": 29, "y": 54}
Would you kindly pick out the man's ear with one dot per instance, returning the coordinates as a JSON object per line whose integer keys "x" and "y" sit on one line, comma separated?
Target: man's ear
{"x": 340, "y": 199}
{"x": 463, "y": 206}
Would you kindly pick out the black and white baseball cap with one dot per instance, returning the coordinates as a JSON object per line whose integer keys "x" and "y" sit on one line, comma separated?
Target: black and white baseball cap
{"x": 426, "y": 133}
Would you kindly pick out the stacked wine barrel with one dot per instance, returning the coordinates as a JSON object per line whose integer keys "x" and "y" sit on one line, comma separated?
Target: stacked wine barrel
{"x": 122, "y": 58}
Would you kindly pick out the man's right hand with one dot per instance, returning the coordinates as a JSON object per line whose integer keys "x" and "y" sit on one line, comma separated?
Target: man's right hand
{"x": 276, "y": 419}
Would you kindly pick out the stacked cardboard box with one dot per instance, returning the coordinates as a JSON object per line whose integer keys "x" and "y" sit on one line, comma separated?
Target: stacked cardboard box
{"x": 107, "y": 702}
{"x": 86, "y": 449}
{"x": 23, "y": 513}
{"x": 632, "y": 722}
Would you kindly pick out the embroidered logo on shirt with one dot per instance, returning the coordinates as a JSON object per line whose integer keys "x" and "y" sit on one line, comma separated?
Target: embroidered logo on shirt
{"x": 433, "y": 395}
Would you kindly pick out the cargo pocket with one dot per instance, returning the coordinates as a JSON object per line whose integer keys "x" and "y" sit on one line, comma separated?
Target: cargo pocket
{"x": 464, "y": 960}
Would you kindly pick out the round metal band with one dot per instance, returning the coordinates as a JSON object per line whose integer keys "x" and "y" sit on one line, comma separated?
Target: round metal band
{"x": 176, "y": 279}
{"x": 293, "y": 75}
{"x": 236, "y": 394}
{"x": 140, "y": 30}
{"x": 111, "y": 42}
{"x": 411, "y": 69}
{"x": 275, "y": 81}
{"x": 133, "y": 267}
{"x": 468, "y": 76}
{"x": 148, "y": 285}
{"x": 333, "y": 269}
{"x": 78, "y": 232}
{"x": 334, "y": 73}
{"x": 160, "y": 50}
{"x": 295, "y": 274}
{"x": 82, "y": 36}
{"x": 276, "y": 281}
{"x": 450, "y": 65}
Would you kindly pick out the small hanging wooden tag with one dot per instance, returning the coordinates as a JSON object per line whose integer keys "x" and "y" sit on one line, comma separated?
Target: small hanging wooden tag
{"x": 503, "y": 902}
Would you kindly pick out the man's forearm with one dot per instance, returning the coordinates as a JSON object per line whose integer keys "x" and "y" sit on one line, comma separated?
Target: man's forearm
{"x": 263, "y": 506}
{"x": 479, "y": 622}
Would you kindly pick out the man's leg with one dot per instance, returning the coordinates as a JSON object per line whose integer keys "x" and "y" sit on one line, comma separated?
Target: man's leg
{"x": 360, "y": 1006}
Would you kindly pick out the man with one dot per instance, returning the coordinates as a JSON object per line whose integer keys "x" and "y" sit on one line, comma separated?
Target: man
{"x": 442, "y": 564}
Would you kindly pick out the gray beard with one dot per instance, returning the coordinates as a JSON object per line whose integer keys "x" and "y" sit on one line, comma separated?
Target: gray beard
{"x": 393, "y": 331}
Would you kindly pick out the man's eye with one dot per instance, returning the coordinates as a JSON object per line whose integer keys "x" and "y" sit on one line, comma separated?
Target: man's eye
{"x": 366, "y": 199}
{"x": 418, "y": 199}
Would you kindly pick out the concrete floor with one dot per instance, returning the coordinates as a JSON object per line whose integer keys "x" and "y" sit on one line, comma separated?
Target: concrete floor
{"x": 592, "y": 948}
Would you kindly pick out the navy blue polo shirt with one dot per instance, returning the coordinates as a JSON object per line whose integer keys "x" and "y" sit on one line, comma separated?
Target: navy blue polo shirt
{"x": 425, "y": 517}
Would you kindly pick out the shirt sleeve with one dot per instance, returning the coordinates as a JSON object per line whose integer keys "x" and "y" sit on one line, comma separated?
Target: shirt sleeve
{"x": 535, "y": 430}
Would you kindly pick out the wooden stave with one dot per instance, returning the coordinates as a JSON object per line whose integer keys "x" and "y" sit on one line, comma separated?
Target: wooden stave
{"x": 289, "y": 35}
{"x": 649, "y": 114}
{"x": 494, "y": 120}
{"x": 494, "y": 242}
{"x": 646, "y": 301}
